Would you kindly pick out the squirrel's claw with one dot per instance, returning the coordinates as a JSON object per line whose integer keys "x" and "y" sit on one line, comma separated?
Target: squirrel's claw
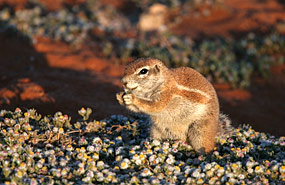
{"x": 124, "y": 99}
{"x": 119, "y": 97}
{"x": 128, "y": 99}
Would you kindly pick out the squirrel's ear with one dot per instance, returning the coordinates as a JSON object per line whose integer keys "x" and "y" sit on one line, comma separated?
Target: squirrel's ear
{"x": 156, "y": 69}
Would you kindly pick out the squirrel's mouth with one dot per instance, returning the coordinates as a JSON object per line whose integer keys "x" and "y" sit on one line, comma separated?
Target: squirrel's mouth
{"x": 130, "y": 87}
{"x": 134, "y": 88}
{"x": 127, "y": 90}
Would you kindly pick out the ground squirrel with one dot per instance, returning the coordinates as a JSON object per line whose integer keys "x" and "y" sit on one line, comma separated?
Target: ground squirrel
{"x": 181, "y": 103}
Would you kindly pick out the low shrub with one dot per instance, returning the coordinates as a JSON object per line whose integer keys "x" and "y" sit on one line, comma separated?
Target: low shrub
{"x": 54, "y": 150}
{"x": 220, "y": 60}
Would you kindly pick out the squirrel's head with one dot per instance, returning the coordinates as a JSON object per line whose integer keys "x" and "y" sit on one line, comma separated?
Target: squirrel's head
{"x": 144, "y": 75}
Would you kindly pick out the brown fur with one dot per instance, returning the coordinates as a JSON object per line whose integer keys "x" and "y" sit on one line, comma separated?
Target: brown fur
{"x": 181, "y": 103}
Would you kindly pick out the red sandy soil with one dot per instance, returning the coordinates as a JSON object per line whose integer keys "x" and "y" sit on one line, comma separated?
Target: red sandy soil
{"x": 50, "y": 4}
{"x": 51, "y": 76}
{"x": 231, "y": 18}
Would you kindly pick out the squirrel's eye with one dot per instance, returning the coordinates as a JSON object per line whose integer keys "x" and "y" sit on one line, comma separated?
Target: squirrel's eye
{"x": 143, "y": 71}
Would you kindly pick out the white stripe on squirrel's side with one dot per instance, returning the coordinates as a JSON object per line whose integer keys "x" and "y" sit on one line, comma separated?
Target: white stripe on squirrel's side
{"x": 181, "y": 87}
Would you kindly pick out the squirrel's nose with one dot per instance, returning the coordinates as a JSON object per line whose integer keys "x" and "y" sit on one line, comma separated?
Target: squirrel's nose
{"x": 124, "y": 82}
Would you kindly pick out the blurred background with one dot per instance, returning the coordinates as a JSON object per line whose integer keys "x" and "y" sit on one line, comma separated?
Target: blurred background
{"x": 61, "y": 55}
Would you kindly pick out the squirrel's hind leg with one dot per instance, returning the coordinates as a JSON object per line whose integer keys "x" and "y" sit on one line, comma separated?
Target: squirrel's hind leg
{"x": 156, "y": 132}
{"x": 202, "y": 135}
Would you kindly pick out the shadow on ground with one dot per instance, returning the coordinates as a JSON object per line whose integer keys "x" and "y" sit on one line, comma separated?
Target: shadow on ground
{"x": 29, "y": 80}
{"x": 261, "y": 106}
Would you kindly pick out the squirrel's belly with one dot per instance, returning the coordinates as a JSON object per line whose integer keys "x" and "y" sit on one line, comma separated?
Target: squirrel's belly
{"x": 180, "y": 111}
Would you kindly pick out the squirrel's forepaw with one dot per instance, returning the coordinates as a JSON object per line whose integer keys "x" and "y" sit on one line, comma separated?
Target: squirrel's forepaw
{"x": 119, "y": 97}
{"x": 125, "y": 99}
{"x": 128, "y": 99}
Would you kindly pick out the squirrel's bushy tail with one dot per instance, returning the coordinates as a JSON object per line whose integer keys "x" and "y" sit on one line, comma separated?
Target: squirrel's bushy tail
{"x": 225, "y": 128}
